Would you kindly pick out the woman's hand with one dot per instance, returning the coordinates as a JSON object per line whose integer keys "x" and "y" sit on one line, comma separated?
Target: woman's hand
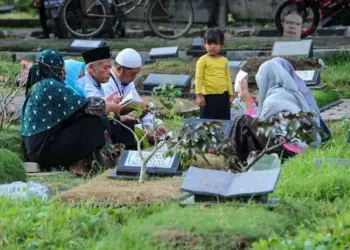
{"x": 244, "y": 94}
{"x": 112, "y": 103}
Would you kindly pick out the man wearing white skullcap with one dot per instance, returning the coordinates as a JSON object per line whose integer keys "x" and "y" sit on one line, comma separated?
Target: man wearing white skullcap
{"x": 127, "y": 65}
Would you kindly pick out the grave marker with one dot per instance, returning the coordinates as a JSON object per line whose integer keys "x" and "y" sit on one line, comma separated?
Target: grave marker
{"x": 80, "y": 46}
{"x": 227, "y": 125}
{"x": 332, "y": 161}
{"x": 180, "y": 81}
{"x": 130, "y": 164}
{"x": 235, "y": 67}
{"x": 310, "y": 77}
{"x": 292, "y": 27}
{"x": 207, "y": 183}
{"x": 303, "y": 48}
{"x": 164, "y": 53}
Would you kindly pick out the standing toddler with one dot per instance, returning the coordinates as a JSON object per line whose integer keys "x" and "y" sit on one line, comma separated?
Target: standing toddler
{"x": 213, "y": 80}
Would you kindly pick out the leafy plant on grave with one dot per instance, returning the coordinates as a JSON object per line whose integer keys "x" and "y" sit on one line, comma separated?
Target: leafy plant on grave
{"x": 9, "y": 90}
{"x": 166, "y": 95}
{"x": 207, "y": 138}
{"x": 154, "y": 130}
{"x": 11, "y": 167}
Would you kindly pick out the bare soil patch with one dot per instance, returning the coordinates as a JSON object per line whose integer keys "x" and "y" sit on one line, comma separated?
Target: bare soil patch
{"x": 102, "y": 189}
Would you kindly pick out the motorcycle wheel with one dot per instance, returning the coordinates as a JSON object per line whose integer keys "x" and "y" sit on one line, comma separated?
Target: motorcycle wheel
{"x": 305, "y": 32}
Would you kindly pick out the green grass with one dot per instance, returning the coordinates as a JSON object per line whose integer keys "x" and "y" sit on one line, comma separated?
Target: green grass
{"x": 313, "y": 209}
{"x": 19, "y": 15}
{"x": 325, "y": 96}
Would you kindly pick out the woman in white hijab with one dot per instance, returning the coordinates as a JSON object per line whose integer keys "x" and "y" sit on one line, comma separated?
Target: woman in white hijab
{"x": 277, "y": 93}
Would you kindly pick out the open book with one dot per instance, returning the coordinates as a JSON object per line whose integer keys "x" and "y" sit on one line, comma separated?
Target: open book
{"x": 128, "y": 99}
{"x": 224, "y": 184}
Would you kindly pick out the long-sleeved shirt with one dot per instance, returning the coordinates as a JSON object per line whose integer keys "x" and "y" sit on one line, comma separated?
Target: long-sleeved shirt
{"x": 213, "y": 76}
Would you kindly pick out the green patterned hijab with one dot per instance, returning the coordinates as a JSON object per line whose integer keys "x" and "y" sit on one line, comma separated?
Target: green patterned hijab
{"x": 51, "y": 101}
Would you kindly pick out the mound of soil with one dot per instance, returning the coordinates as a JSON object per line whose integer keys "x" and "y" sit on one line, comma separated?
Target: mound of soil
{"x": 253, "y": 63}
{"x": 102, "y": 189}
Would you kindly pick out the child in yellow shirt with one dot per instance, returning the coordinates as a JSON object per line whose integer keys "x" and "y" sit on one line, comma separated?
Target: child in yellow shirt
{"x": 213, "y": 80}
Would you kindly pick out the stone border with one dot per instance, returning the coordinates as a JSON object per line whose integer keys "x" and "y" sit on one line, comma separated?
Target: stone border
{"x": 331, "y": 105}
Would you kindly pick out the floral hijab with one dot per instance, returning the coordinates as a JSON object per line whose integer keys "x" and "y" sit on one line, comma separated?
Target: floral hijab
{"x": 51, "y": 101}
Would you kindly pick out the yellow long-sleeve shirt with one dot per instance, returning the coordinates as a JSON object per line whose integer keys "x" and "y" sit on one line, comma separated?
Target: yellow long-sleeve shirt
{"x": 213, "y": 76}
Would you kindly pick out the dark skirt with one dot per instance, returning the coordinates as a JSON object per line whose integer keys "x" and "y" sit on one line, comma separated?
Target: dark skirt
{"x": 67, "y": 143}
{"x": 245, "y": 140}
{"x": 216, "y": 107}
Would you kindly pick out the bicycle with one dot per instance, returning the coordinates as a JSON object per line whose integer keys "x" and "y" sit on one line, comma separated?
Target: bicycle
{"x": 111, "y": 14}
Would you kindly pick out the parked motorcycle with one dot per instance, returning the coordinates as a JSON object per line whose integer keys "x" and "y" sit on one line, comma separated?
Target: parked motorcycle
{"x": 329, "y": 12}
{"x": 52, "y": 10}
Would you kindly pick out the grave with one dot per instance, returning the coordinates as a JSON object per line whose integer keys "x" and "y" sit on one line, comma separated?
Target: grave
{"x": 303, "y": 48}
{"x": 212, "y": 186}
{"x": 332, "y": 161}
{"x": 164, "y": 53}
{"x": 310, "y": 77}
{"x": 198, "y": 50}
{"x": 292, "y": 27}
{"x": 227, "y": 125}
{"x": 235, "y": 67}
{"x": 80, "y": 46}
{"x": 130, "y": 163}
{"x": 180, "y": 81}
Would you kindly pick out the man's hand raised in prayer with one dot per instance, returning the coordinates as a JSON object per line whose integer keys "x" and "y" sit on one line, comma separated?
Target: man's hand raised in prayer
{"x": 112, "y": 103}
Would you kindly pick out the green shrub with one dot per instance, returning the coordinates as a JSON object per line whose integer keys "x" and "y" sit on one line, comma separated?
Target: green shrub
{"x": 11, "y": 167}
{"x": 11, "y": 140}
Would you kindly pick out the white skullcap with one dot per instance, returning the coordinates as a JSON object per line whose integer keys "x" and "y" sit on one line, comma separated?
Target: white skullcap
{"x": 129, "y": 58}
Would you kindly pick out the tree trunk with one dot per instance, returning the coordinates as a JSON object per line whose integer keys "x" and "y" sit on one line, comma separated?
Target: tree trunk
{"x": 143, "y": 172}
{"x": 222, "y": 17}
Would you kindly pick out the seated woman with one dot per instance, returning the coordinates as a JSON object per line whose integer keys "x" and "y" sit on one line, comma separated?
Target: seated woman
{"x": 305, "y": 91}
{"x": 277, "y": 93}
{"x": 59, "y": 127}
{"x": 75, "y": 71}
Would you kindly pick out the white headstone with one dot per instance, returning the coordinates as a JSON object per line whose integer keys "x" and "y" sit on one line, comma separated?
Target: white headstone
{"x": 157, "y": 160}
{"x": 292, "y": 27}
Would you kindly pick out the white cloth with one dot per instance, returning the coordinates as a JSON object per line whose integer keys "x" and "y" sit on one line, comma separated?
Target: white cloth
{"x": 114, "y": 85}
{"x": 129, "y": 58}
{"x": 92, "y": 88}
{"x": 24, "y": 190}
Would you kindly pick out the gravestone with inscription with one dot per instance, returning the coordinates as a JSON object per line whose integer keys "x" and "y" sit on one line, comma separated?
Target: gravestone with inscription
{"x": 130, "y": 164}
{"x": 180, "y": 81}
{"x": 227, "y": 125}
{"x": 212, "y": 185}
{"x": 235, "y": 67}
{"x": 292, "y": 27}
{"x": 310, "y": 77}
{"x": 164, "y": 53}
{"x": 303, "y": 48}
{"x": 80, "y": 46}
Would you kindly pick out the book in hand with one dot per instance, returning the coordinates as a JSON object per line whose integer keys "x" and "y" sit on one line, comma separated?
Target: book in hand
{"x": 128, "y": 99}
{"x": 225, "y": 184}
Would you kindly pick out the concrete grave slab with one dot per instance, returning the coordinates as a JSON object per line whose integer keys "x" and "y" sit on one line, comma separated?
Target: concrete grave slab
{"x": 207, "y": 182}
{"x": 310, "y": 77}
{"x": 164, "y": 53}
{"x": 303, "y": 48}
{"x": 332, "y": 161}
{"x": 129, "y": 165}
{"x": 79, "y": 46}
{"x": 227, "y": 125}
{"x": 180, "y": 81}
{"x": 31, "y": 167}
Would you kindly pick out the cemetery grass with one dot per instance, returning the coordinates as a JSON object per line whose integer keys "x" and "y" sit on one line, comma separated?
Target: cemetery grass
{"x": 313, "y": 209}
